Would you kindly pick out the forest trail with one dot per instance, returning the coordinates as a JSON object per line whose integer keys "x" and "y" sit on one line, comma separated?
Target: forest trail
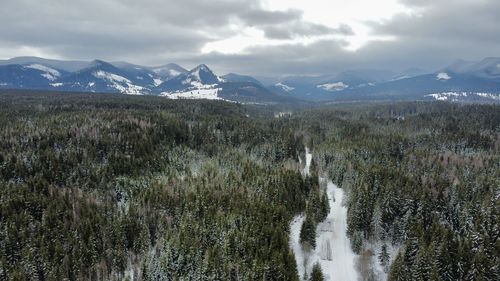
{"x": 333, "y": 250}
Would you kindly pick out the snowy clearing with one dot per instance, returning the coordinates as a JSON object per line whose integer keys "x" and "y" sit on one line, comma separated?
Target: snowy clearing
{"x": 285, "y": 88}
{"x": 333, "y": 87}
{"x": 120, "y": 83}
{"x": 209, "y": 94}
{"x": 50, "y": 73}
{"x": 458, "y": 96}
{"x": 443, "y": 76}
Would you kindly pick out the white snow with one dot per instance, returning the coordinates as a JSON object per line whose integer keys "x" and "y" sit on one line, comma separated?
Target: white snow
{"x": 332, "y": 87}
{"x": 208, "y": 94}
{"x": 400, "y": 77}
{"x": 296, "y": 225}
{"x": 285, "y": 88}
{"x": 283, "y": 114}
{"x": 372, "y": 263}
{"x": 120, "y": 83}
{"x": 443, "y": 76}
{"x": 458, "y": 96}
{"x": 110, "y": 77}
{"x": 489, "y": 96}
{"x": 307, "y": 168}
{"x": 173, "y": 72}
{"x": 50, "y": 73}
{"x": 333, "y": 248}
{"x": 295, "y": 245}
{"x": 157, "y": 82}
{"x": 56, "y": 84}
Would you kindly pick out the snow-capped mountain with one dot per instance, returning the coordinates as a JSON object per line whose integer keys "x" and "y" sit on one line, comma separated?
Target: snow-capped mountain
{"x": 66, "y": 65}
{"x": 171, "y": 81}
{"x": 202, "y": 82}
{"x": 318, "y": 87}
{"x": 200, "y": 77}
{"x": 199, "y": 82}
{"x": 28, "y": 76}
{"x": 460, "y": 81}
{"x": 100, "y": 76}
{"x": 486, "y": 68}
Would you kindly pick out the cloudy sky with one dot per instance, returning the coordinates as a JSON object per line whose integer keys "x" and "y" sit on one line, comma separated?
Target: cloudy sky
{"x": 257, "y": 37}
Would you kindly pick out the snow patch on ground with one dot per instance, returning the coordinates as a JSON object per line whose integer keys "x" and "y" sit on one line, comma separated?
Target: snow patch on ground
{"x": 459, "y": 96}
{"x": 296, "y": 225}
{"x": 295, "y": 245}
{"x": 443, "y": 76}
{"x": 333, "y": 87}
{"x": 50, "y": 73}
{"x": 369, "y": 263}
{"x": 208, "y": 94}
{"x": 173, "y": 72}
{"x": 284, "y": 87}
{"x": 157, "y": 82}
{"x": 400, "y": 77}
{"x": 283, "y": 114}
{"x": 120, "y": 83}
{"x": 111, "y": 77}
{"x": 489, "y": 96}
{"x": 307, "y": 168}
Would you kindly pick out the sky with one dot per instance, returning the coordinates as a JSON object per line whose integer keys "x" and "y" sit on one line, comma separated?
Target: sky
{"x": 255, "y": 37}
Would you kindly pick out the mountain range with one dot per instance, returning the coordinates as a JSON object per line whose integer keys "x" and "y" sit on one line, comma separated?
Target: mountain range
{"x": 460, "y": 81}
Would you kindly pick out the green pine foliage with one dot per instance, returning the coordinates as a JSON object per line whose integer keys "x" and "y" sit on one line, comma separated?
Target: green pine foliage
{"x": 423, "y": 176}
{"x": 96, "y": 187}
{"x": 316, "y": 273}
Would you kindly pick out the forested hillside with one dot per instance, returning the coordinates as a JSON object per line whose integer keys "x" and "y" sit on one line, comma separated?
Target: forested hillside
{"x": 107, "y": 187}
{"x": 422, "y": 178}
{"x": 93, "y": 187}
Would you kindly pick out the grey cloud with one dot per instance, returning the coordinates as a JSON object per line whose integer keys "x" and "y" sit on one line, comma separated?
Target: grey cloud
{"x": 155, "y": 32}
{"x": 440, "y": 32}
{"x": 259, "y": 17}
{"x": 324, "y": 56}
{"x": 143, "y": 31}
{"x": 304, "y": 29}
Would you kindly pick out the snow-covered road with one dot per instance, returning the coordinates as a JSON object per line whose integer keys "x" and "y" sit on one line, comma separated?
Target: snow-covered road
{"x": 333, "y": 250}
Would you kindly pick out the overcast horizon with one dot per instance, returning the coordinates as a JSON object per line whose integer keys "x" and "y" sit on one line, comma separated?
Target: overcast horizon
{"x": 255, "y": 37}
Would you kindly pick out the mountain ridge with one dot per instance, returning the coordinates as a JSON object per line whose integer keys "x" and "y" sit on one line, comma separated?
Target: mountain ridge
{"x": 170, "y": 80}
{"x": 458, "y": 81}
